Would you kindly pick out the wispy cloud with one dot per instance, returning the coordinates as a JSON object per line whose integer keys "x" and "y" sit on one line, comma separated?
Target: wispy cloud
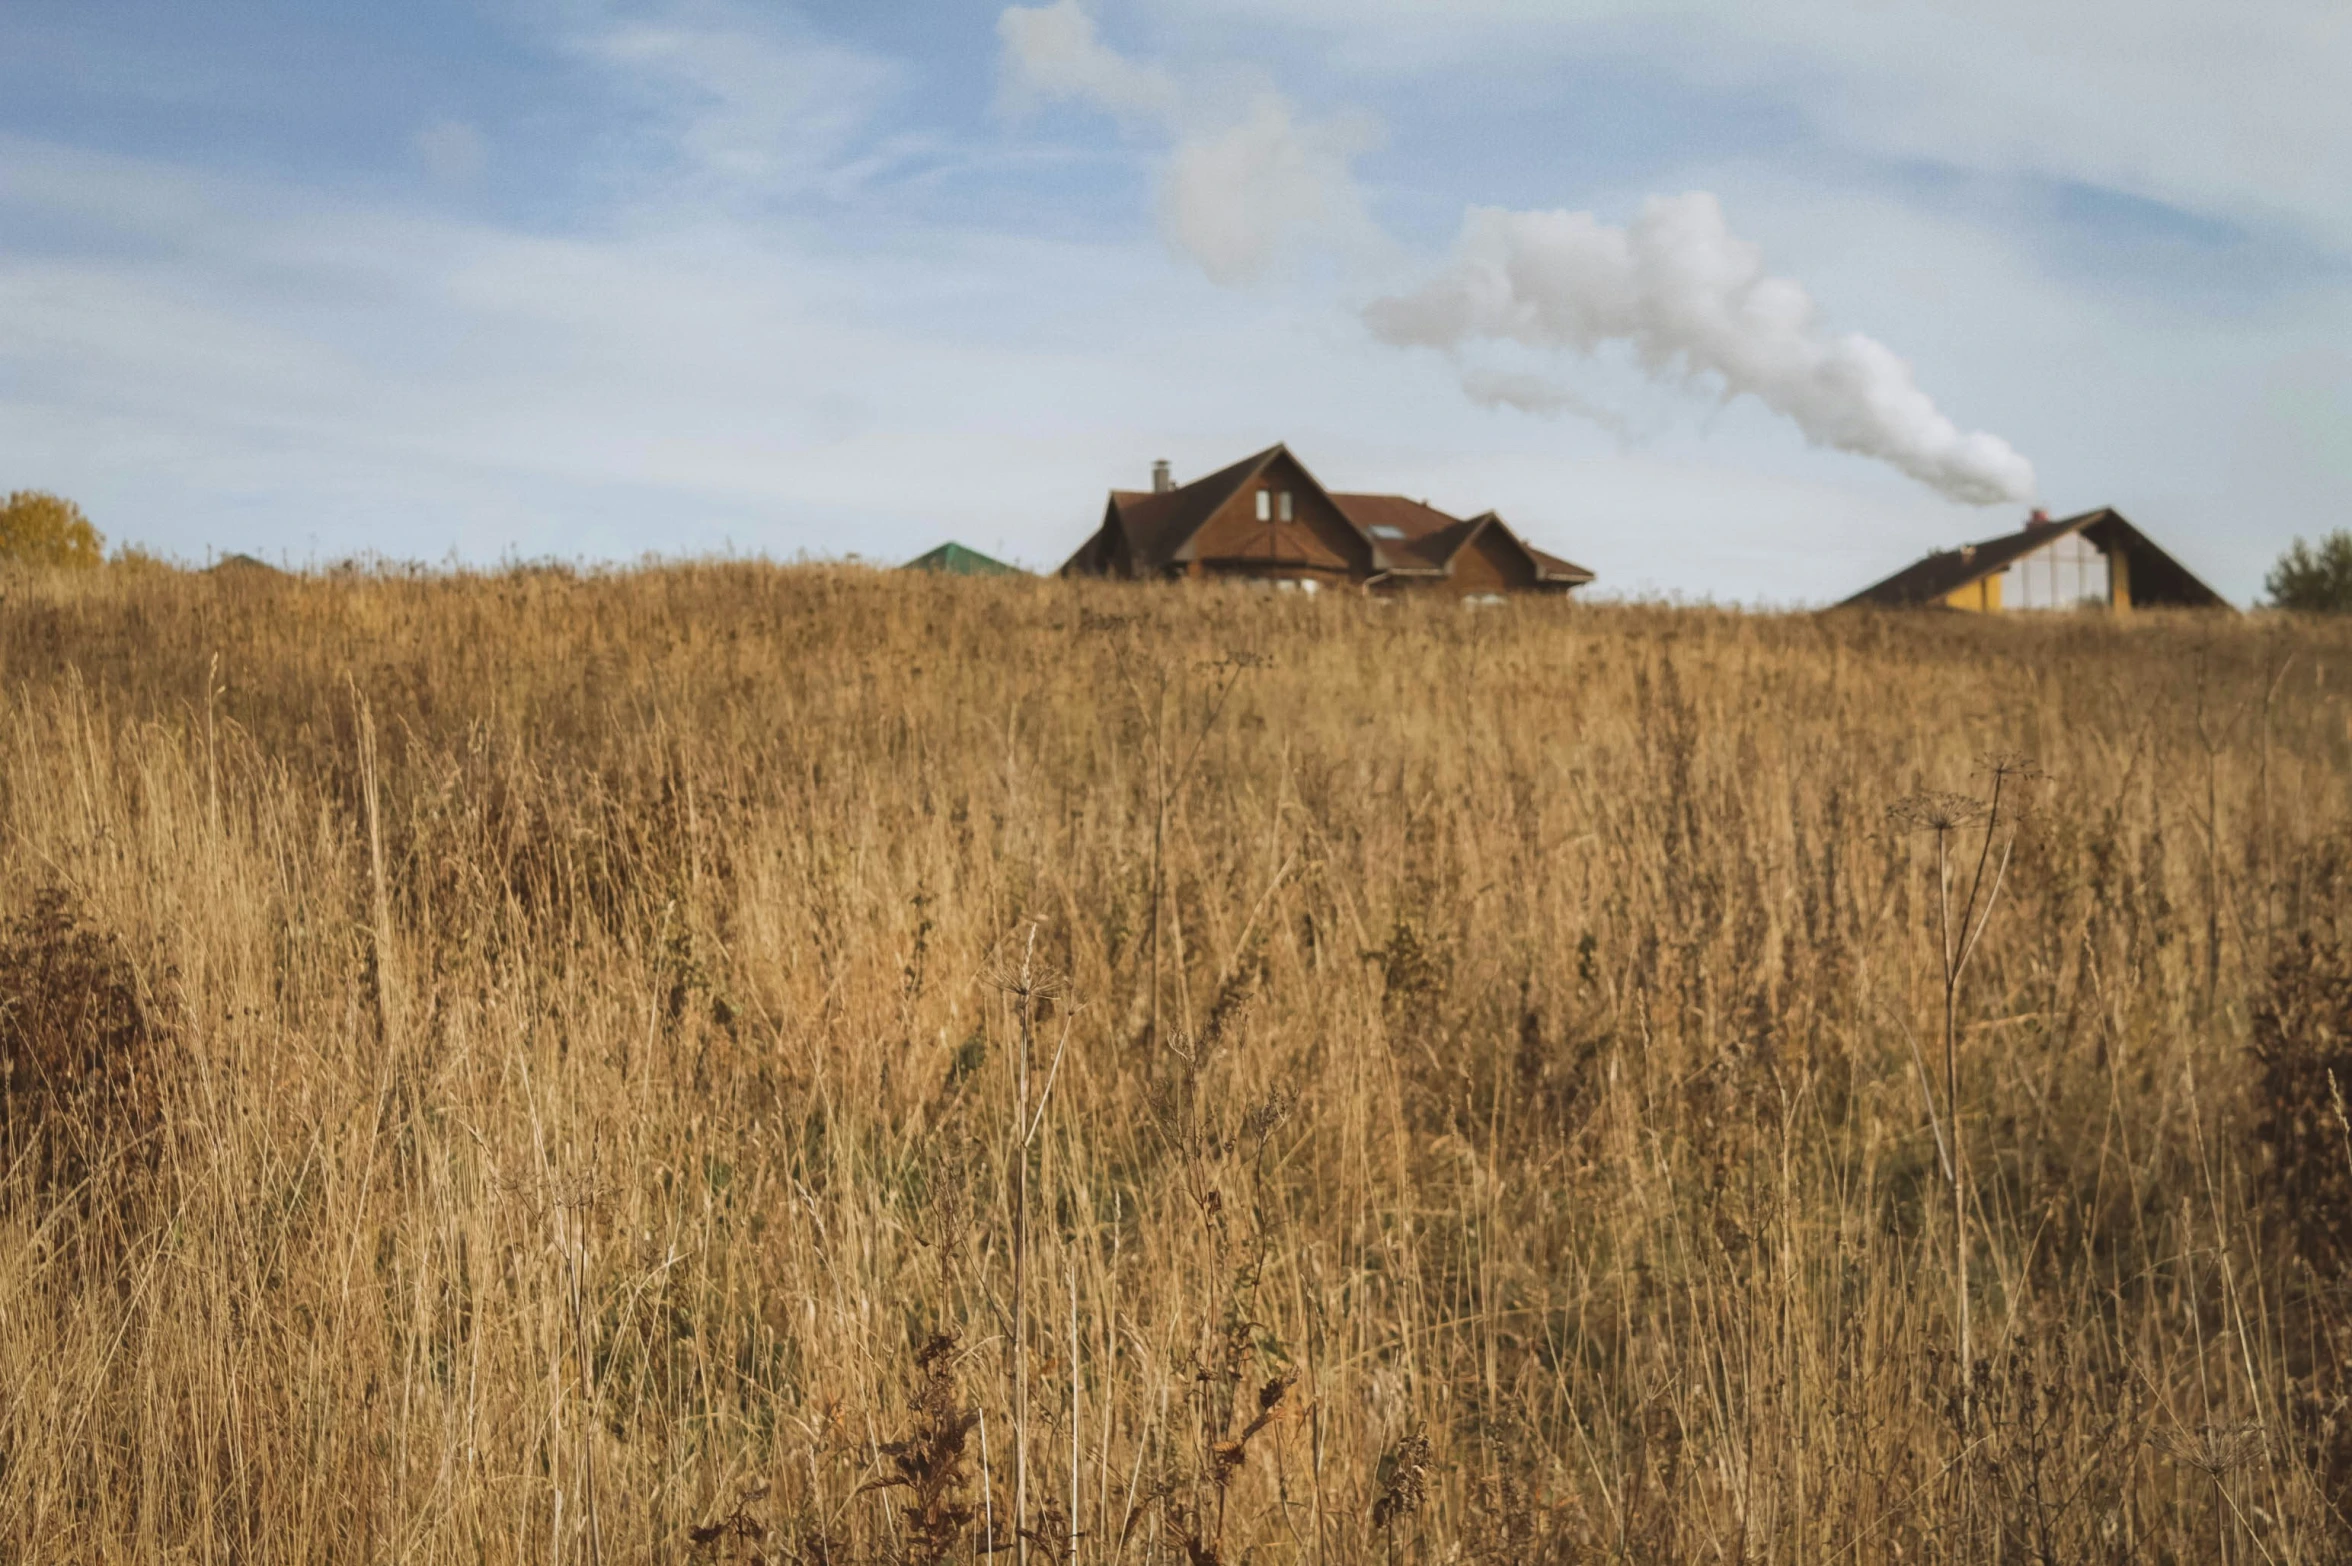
{"x": 454, "y": 152}
{"x": 743, "y": 101}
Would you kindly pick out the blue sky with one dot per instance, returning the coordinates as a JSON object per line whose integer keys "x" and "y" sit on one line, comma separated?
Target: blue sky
{"x": 565, "y": 277}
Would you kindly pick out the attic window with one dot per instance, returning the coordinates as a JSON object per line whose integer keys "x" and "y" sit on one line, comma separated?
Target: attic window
{"x": 1388, "y": 530}
{"x": 1282, "y": 505}
{"x": 1265, "y": 506}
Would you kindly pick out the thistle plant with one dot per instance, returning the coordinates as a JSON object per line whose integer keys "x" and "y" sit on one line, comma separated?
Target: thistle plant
{"x": 1949, "y": 818}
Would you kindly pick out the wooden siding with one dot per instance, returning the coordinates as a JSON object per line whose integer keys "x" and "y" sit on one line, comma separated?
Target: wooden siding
{"x": 1491, "y": 564}
{"x": 1316, "y": 542}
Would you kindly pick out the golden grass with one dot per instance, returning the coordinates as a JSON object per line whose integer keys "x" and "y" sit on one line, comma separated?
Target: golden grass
{"x": 560, "y": 1043}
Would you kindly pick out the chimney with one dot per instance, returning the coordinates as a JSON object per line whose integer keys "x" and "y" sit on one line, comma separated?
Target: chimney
{"x": 2040, "y": 518}
{"x": 1162, "y": 482}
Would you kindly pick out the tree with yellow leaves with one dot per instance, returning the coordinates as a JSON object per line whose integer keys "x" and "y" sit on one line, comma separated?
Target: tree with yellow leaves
{"x": 48, "y": 530}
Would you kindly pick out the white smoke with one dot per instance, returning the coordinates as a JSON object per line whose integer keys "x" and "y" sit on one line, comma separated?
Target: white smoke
{"x": 1535, "y": 394}
{"x": 1693, "y": 300}
{"x": 1247, "y": 177}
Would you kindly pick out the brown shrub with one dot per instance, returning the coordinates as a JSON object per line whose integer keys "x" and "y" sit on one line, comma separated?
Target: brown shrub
{"x": 80, "y": 1042}
{"x": 2303, "y": 1042}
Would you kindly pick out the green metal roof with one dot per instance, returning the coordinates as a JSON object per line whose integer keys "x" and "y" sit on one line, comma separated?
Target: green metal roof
{"x": 956, "y": 560}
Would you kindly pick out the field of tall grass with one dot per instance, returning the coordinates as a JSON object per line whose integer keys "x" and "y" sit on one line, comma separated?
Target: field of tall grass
{"x": 810, "y": 1065}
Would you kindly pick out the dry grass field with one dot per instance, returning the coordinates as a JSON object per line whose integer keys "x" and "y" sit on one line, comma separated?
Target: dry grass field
{"x": 728, "y": 1063}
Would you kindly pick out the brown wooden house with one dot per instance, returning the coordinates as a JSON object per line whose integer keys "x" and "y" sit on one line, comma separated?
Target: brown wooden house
{"x": 2096, "y": 560}
{"x": 1267, "y": 519}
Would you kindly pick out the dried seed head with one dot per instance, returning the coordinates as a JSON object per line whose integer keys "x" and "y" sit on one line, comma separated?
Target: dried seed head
{"x": 1936, "y": 811}
{"x": 1406, "y": 1487}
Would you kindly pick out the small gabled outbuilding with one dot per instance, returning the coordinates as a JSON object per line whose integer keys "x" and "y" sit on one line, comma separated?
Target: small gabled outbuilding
{"x": 954, "y": 559}
{"x": 2094, "y": 560}
{"x": 1267, "y": 519}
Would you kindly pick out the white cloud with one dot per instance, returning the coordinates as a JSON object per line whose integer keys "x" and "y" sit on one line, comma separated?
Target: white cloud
{"x": 1234, "y": 198}
{"x": 1248, "y": 178}
{"x": 1055, "y": 52}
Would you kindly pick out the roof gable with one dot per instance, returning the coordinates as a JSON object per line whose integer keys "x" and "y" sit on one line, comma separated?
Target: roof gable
{"x": 1160, "y": 525}
{"x": 1548, "y": 568}
{"x": 2157, "y": 579}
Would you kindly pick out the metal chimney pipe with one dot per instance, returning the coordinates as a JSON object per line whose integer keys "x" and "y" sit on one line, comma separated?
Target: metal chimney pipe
{"x": 1162, "y": 480}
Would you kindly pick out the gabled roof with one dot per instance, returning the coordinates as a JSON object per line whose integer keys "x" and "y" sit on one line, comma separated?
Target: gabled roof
{"x": 2155, "y": 577}
{"x": 1431, "y": 540}
{"x": 1426, "y": 537}
{"x": 1548, "y": 568}
{"x": 246, "y": 565}
{"x": 956, "y": 560}
{"x": 1160, "y": 525}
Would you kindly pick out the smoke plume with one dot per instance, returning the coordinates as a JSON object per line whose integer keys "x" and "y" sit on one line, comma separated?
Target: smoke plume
{"x": 1248, "y": 177}
{"x": 1693, "y": 301}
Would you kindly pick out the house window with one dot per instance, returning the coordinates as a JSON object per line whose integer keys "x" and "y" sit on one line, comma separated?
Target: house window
{"x": 1265, "y": 506}
{"x": 2066, "y": 573}
{"x": 1282, "y": 505}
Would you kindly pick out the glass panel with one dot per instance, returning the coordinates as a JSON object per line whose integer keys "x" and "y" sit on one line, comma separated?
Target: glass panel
{"x": 2066, "y": 573}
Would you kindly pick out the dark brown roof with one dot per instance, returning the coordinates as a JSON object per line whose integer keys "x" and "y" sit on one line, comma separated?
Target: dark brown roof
{"x": 1426, "y": 537}
{"x": 2156, "y": 579}
{"x": 1431, "y": 538}
{"x": 1548, "y": 568}
{"x": 1551, "y": 566}
{"x": 235, "y": 564}
{"x": 1158, "y": 526}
